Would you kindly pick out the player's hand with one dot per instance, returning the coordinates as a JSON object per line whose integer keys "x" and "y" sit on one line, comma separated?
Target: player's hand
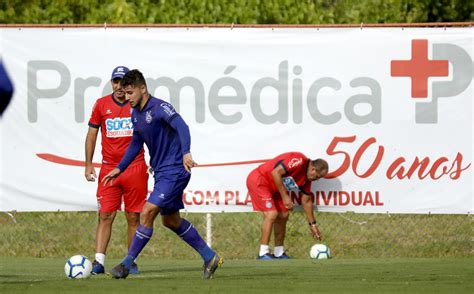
{"x": 287, "y": 202}
{"x": 90, "y": 173}
{"x": 188, "y": 162}
{"x": 315, "y": 232}
{"x": 111, "y": 176}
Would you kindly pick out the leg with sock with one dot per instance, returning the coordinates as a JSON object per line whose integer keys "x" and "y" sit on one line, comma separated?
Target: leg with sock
{"x": 103, "y": 234}
{"x": 280, "y": 232}
{"x": 98, "y": 264}
{"x": 190, "y": 235}
{"x": 186, "y": 231}
{"x": 264, "y": 249}
{"x": 278, "y": 251}
{"x": 266, "y": 231}
{"x": 100, "y": 257}
{"x": 141, "y": 238}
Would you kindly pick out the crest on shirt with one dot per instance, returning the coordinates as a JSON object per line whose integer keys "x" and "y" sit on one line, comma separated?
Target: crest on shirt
{"x": 295, "y": 162}
{"x": 99, "y": 206}
{"x": 148, "y": 117}
{"x": 168, "y": 108}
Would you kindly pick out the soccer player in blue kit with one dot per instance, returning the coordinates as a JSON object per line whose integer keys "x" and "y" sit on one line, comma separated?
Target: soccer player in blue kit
{"x": 6, "y": 89}
{"x": 157, "y": 124}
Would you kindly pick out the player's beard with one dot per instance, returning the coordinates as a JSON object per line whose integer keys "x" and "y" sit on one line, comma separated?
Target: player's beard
{"x": 119, "y": 94}
{"x": 139, "y": 101}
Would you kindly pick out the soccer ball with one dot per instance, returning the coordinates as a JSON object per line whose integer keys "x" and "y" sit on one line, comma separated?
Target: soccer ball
{"x": 320, "y": 251}
{"x": 78, "y": 267}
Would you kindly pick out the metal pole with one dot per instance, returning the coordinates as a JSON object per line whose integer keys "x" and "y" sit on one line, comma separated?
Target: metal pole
{"x": 209, "y": 229}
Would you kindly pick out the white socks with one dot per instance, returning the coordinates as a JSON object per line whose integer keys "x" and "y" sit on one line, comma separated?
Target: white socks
{"x": 278, "y": 251}
{"x": 264, "y": 249}
{"x": 100, "y": 257}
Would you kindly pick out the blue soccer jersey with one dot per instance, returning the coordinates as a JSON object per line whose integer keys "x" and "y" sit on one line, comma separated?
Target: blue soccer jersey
{"x": 165, "y": 133}
{"x": 6, "y": 89}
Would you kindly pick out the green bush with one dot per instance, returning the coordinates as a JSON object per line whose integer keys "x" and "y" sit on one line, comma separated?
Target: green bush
{"x": 233, "y": 11}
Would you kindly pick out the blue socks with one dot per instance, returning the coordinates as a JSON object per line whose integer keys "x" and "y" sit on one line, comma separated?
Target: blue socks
{"x": 141, "y": 238}
{"x": 186, "y": 231}
{"x": 190, "y": 235}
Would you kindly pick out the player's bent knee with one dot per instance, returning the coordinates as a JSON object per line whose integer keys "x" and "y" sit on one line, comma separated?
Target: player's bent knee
{"x": 166, "y": 223}
{"x": 106, "y": 217}
{"x": 171, "y": 222}
{"x": 132, "y": 217}
{"x": 146, "y": 218}
{"x": 270, "y": 216}
{"x": 148, "y": 215}
{"x": 283, "y": 216}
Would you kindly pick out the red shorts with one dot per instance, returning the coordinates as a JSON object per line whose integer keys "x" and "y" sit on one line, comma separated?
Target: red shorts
{"x": 129, "y": 187}
{"x": 263, "y": 199}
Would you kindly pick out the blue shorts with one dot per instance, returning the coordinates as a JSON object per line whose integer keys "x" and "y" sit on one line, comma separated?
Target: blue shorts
{"x": 168, "y": 190}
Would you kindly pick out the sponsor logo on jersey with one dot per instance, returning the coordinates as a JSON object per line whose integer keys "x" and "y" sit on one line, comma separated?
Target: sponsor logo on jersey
{"x": 168, "y": 108}
{"x": 119, "y": 127}
{"x": 295, "y": 162}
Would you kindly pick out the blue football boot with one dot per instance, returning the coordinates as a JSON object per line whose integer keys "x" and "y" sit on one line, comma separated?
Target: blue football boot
{"x": 134, "y": 269}
{"x": 266, "y": 256}
{"x": 283, "y": 256}
{"x": 97, "y": 268}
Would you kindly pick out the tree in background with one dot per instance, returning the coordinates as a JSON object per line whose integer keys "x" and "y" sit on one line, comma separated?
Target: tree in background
{"x": 234, "y": 11}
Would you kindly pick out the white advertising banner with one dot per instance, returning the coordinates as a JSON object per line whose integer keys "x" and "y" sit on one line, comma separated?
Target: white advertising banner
{"x": 390, "y": 109}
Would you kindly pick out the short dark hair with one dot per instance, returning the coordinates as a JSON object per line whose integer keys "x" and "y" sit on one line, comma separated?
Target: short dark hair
{"x": 133, "y": 78}
{"x": 320, "y": 164}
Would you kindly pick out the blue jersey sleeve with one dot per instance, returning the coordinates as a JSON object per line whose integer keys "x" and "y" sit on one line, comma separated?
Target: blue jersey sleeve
{"x": 178, "y": 124}
{"x": 132, "y": 151}
{"x": 167, "y": 112}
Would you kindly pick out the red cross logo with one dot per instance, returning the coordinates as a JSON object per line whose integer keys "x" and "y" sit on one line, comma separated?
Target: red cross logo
{"x": 419, "y": 68}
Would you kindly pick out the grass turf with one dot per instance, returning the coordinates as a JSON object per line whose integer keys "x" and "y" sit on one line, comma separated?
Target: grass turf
{"x": 405, "y": 275}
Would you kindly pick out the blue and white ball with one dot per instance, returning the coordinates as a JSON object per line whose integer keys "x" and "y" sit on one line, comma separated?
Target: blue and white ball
{"x": 78, "y": 267}
{"x": 320, "y": 251}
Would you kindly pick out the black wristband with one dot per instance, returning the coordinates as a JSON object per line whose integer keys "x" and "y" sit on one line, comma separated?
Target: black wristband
{"x": 312, "y": 223}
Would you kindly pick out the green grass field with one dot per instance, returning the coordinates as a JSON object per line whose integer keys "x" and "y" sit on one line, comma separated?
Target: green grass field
{"x": 405, "y": 275}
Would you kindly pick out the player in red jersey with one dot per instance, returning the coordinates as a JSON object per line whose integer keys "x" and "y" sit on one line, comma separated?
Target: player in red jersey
{"x": 269, "y": 186}
{"x": 112, "y": 114}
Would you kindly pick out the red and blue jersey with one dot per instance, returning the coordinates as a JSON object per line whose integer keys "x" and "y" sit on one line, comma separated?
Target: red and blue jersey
{"x": 295, "y": 165}
{"x": 114, "y": 120}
